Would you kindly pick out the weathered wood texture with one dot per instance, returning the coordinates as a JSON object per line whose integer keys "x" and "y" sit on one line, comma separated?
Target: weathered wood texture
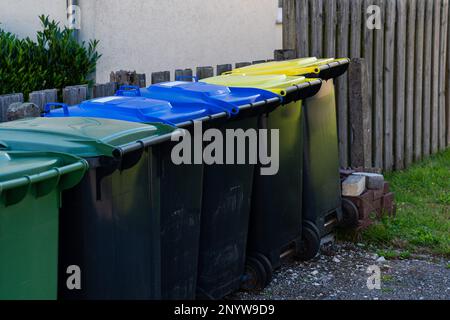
{"x": 405, "y": 46}
{"x": 5, "y": 101}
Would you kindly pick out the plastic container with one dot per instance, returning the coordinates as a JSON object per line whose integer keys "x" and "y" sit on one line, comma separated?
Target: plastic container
{"x": 30, "y": 189}
{"x": 227, "y": 189}
{"x": 182, "y": 103}
{"x": 276, "y": 216}
{"x": 322, "y": 208}
{"x": 110, "y": 222}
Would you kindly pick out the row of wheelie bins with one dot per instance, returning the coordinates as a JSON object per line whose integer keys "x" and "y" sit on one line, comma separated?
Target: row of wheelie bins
{"x": 94, "y": 206}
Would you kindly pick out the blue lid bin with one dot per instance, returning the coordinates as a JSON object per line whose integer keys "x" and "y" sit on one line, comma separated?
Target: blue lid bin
{"x": 200, "y": 257}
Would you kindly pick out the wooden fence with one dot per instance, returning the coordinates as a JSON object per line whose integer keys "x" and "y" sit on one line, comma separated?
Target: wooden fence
{"x": 407, "y": 67}
{"x": 72, "y": 95}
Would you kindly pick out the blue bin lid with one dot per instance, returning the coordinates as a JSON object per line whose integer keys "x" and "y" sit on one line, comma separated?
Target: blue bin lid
{"x": 127, "y": 108}
{"x": 230, "y": 99}
{"x": 171, "y": 103}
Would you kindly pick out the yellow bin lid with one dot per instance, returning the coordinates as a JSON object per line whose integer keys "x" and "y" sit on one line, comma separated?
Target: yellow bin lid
{"x": 275, "y": 83}
{"x": 324, "y": 68}
{"x": 292, "y": 88}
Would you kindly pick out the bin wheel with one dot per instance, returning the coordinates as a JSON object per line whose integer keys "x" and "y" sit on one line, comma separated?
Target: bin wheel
{"x": 310, "y": 244}
{"x": 350, "y": 214}
{"x": 255, "y": 276}
{"x": 267, "y": 266}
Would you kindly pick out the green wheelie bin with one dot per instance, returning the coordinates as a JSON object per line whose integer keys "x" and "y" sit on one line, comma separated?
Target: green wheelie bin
{"x": 322, "y": 208}
{"x": 275, "y": 227}
{"x": 110, "y": 222}
{"x": 30, "y": 197}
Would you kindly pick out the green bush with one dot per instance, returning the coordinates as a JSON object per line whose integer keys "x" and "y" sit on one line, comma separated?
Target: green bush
{"x": 55, "y": 60}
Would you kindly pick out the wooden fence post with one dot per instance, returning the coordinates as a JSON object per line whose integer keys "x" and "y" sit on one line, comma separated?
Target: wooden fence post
{"x": 75, "y": 94}
{"x": 400, "y": 88}
{"x": 359, "y": 114}
{"x": 104, "y": 89}
{"x": 409, "y": 84}
{"x": 183, "y": 75}
{"x": 221, "y": 68}
{"x": 204, "y": 72}
{"x": 289, "y": 24}
{"x": 41, "y": 98}
{"x": 162, "y": 76}
{"x": 442, "y": 73}
{"x": 285, "y": 54}
{"x": 242, "y": 64}
{"x": 5, "y": 101}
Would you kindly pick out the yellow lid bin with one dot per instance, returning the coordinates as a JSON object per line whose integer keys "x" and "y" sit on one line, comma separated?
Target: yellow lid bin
{"x": 321, "y": 205}
{"x": 311, "y": 67}
{"x": 280, "y": 84}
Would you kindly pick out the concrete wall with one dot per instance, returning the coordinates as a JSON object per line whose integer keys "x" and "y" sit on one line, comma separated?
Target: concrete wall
{"x": 155, "y": 35}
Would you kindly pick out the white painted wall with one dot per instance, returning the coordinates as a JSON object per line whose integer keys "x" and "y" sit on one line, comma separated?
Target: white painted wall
{"x": 157, "y": 35}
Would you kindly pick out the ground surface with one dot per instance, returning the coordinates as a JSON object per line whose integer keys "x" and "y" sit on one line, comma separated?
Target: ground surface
{"x": 412, "y": 249}
{"x": 341, "y": 273}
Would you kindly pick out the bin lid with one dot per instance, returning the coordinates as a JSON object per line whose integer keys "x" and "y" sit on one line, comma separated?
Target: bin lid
{"x": 129, "y": 108}
{"x": 278, "y": 84}
{"x": 324, "y": 68}
{"x": 84, "y": 137}
{"x": 19, "y": 170}
{"x": 215, "y": 97}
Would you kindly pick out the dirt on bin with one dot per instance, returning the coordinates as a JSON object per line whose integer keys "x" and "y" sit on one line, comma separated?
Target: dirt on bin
{"x": 343, "y": 274}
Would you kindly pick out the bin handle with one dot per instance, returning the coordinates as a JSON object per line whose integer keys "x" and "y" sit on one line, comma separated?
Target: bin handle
{"x": 124, "y": 88}
{"x": 26, "y": 181}
{"x": 119, "y": 152}
{"x": 181, "y": 78}
{"x": 47, "y": 107}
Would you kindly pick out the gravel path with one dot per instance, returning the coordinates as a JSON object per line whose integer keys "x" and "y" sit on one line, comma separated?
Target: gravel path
{"x": 341, "y": 273}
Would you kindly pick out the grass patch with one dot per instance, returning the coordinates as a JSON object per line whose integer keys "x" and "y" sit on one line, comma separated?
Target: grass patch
{"x": 422, "y": 224}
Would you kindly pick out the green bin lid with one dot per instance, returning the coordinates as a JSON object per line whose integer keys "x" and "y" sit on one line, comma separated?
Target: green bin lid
{"x": 84, "y": 137}
{"x": 44, "y": 170}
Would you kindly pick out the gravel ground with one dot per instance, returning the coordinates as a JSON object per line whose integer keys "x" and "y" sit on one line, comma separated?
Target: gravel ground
{"x": 341, "y": 273}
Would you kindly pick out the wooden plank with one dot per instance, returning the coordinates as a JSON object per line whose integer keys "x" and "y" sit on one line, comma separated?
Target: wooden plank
{"x": 410, "y": 74}
{"x": 435, "y": 77}
{"x": 359, "y": 115}
{"x": 221, "y": 68}
{"x": 419, "y": 73}
{"x": 161, "y": 76}
{"x": 41, "y": 98}
{"x": 400, "y": 81}
{"x": 341, "y": 82}
{"x": 302, "y": 32}
{"x": 5, "y": 101}
{"x": 329, "y": 30}
{"x": 284, "y": 54}
{"x": 183, "y": 75}
{"x": 316, "y": 14}
{"x": 75, "y": 94}
{"x": 242, "y": 64}
{"x": 289, "y": 24}
{"x": 367, "y": 54}
{"x": 442, "y": 72}
{"x": 378, "y": 67}
{"x": 389, "y": 53}
{"x": 427, "y": 78}
{"x": 447, "y": 99}
{"x": 204, "y": 72}
{"x": 355, "y": 28}
{"x": 104, "y": 89}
